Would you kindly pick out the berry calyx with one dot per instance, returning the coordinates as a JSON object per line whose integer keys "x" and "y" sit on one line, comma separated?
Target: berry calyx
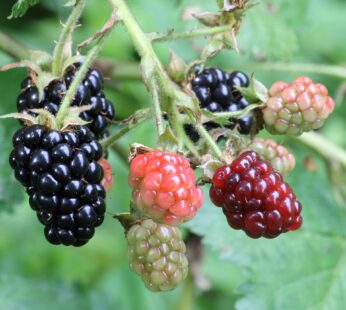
{"x": 297, "y": 107}
{"x": 255, "y": 198}
{"x": 90, "y": 92}
{"x": 156, "y": 252}
{"x": 281, "y": 159}
{"x": 60, "y": 173}
{"x": 164, "y": 187}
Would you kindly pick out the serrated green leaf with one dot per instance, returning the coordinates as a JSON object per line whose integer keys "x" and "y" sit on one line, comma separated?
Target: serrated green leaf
{"x": 21, "y": 6}
{"x": 298, "y": 270}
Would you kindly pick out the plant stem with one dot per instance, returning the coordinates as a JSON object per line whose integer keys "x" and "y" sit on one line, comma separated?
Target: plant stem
{"x": 58, "y": 54}
{"x": 12, "y": 48}
{"x": 157, "y": 109}
{"x": 332, "y": 70}
{"x": 323, "y": 146}
{"x": 211, "y": 143}
{"x": 183, "y": 139}
{"x": 133, "y": 121}
{"x": 171, "y": 36}
{"x": 93, "y": 53}
{"x": 237, "y": 114}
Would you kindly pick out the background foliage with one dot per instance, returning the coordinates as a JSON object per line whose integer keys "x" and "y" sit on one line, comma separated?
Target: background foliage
{"x": 301, "y": 270}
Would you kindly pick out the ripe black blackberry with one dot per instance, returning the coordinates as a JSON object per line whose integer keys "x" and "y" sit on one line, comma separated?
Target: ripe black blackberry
{"x": 89, "y": 92}
{"x": 216, "y": 91}
{"x": 63, "y": 180}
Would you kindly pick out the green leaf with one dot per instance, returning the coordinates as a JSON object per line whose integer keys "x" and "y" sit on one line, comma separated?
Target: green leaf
{"x": 298, "y": 270}
{"x": 21, "y": 6}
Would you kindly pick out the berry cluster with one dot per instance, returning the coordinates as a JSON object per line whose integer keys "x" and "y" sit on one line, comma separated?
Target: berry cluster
{"x": 254, "y": 198}
{"x": 88, "y": 93}
{"x": 62, "y": 177}
{"x": 164, "y": 187}
{"x": 297, "y": 107}
{"x": 156, "y": 252}
{"x": 279, "y": 157}
{"x": 217, "y": 91}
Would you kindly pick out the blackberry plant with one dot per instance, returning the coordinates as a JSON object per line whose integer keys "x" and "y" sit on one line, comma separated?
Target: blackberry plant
{"x": 68, "y": 129}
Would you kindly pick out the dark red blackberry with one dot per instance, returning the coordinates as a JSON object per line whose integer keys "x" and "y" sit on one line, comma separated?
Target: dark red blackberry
{"x": 254, "y": 198}
{"x": 216, "y": 91}
{"x": 89, "y": 92}
{"x": 63, "y": 180}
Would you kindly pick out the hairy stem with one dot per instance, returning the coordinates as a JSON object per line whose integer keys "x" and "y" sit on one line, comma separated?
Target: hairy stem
{"x": 12, "y": 48}
{"x": 133, "y": 121}
{"x": 157, "y": 109}
{"x": 178, "y": 128}
{"x": 58, "y": 54}
{"x": 323, "y": 146}
{"x": 171, "y": 36}
{"x": 93, "y": 53}
{"x": 211, "y": 143}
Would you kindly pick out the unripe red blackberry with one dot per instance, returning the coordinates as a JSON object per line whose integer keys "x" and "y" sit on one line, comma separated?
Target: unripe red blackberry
{"x": 254, "y": 198}
{"x": 63, "y": 180}
{"x": 164, "y": 187}
{"x": 156, "y": 252}
{"x": 279, "y": 157}
{"x": 217, "y": 91}
{"x": 90, "y": 92}
{"x": 296, "y": 107}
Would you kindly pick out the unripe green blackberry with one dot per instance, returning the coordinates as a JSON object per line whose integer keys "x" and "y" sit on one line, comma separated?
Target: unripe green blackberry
{"x": 297, "y": 107}
{"x": 156, "y": 252}
{"x": 280, "y": 158}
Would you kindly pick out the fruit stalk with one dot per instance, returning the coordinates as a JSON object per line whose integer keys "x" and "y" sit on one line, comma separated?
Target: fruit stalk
{"x": 211, "y": 143}
{"x": 68, "y": 28}
{"x": 80, "y": 76}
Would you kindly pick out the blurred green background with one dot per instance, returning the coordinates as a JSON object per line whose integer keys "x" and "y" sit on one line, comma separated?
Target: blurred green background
{"x": 301, "y": 270}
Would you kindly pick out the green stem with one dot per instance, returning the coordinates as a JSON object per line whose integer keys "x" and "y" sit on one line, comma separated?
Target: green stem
{"x": 211, "y": 143}
{"x": 135, "y": 120}
{"x": 332, "y": 70}
{"x": 183, "y": 139}
{"x": 237, "y": 114}
{"x": 93, "y": 53}
{"x": 157, "y": 108}
{"x": 58, "y": 54}
{"x": 12, "y": 48}
{"x": 170, "y": 36}
{"x": 323, "y": 146}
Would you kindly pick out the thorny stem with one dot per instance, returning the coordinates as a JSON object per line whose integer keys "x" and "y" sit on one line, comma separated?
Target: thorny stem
{"x": 211, "y": 143}
{"x": 157, "y": 108}
{"x": 175, "y": 118}
{"x": 171, "y": 36}
{"x": 169, "y": 93}
{"x": 58, "y": 54}
{"x": 12, "y": 48}
{"x": 93, "y": 53}
{"x": 138, "y": 118}
{"x": 323, "y": 146}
